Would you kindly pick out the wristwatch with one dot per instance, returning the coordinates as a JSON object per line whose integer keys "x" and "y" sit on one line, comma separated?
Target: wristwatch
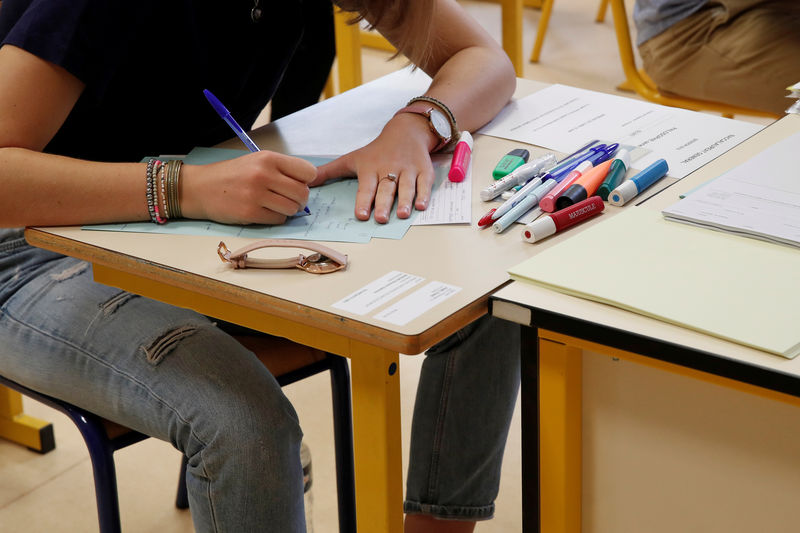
{"x": 438, "y": 121}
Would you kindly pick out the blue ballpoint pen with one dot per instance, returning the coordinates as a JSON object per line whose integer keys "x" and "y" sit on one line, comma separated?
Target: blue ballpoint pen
{"x": 223, "y": 112}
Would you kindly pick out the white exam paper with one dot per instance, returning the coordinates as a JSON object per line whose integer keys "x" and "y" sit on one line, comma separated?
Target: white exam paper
{"x": 563, "y": 118}
{"x": 759, "y": 198}
{"x": 450, "y": 203}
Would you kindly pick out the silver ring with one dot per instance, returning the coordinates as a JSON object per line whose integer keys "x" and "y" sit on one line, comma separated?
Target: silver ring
{"x": 391, "y": 177}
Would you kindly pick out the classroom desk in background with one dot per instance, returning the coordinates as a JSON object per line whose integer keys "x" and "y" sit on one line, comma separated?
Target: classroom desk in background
{"x": 185, "y": 270}
{"x": 563, "y": 335}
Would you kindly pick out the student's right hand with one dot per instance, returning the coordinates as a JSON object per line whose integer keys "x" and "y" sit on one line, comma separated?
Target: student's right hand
{"x": 258, "y": 188}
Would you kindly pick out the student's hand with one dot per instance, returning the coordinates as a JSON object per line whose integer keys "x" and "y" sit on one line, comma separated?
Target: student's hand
{"x": 402, "y": 149}
{"x": 258, "y": 188}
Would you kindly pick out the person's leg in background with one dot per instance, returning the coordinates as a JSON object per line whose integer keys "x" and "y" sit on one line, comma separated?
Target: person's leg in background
{"x": 739, "y": 52}
{"x": 465, "y": 400}
{"x": 309, "y": 68}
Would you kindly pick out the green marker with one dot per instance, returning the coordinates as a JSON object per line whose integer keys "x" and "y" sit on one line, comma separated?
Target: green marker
{"x": 616, "y": 173}
{"x": 510, "y": 161}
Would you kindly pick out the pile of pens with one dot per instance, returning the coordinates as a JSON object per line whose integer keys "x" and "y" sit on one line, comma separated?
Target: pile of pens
{"x": 567, "y": 191}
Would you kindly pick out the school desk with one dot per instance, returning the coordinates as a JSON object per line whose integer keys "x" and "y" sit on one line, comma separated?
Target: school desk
{"x": 186, "y": 271}
{"x": 562, "y": 334}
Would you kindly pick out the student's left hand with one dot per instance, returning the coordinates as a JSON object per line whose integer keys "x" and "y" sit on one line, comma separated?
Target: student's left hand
{"x": 402, "y": 150}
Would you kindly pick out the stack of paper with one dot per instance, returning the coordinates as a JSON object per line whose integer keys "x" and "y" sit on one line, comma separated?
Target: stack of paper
{"x": 794, "y": 92}
{"x": 742, "y": 290}
{"x": 759, "y": 198}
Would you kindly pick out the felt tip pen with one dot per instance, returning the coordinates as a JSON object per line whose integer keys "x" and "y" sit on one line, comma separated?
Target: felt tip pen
{"x": 223, "y": 112}
{"x": 526, "y": 204}
{"x": 584, "y": 187}
{"x": 631, "y": 188}
{"x": 582, "y": 152}
{"x": 461, "y": 157}
{"x": 616, "y": 173}
{"x": 545, "y": 226}
{"x": 486, "y": 220}
{"x": 518, "y": 196}
{"x": 548, "y": 203}
{"x": 511, "y": 161}
{"x": 519, "y": 175}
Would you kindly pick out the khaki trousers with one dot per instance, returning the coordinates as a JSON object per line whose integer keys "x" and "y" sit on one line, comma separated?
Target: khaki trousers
{"x": 739, "y": 52}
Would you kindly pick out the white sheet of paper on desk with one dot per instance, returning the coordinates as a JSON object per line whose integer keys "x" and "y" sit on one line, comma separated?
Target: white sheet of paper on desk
{"x": 563, "y": 118}
{"x": 378, "y": 292}
{"x": 451, "y": 203}
{"x": 759, "y": 198}
{"x": 417, "y": 303}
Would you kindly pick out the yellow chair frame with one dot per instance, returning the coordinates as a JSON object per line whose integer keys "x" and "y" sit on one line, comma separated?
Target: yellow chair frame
{"x": 350, "y": 38}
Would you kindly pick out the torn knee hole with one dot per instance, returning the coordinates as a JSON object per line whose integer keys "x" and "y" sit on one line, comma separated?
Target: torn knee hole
{"x": 164, "y": 344}
{"x": 113, "y": 303}
{"x": 70, "y": 272}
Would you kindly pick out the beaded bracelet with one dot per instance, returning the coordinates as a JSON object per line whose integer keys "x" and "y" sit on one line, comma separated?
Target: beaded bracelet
{"x": 152, "y": 168}
{"x": 163, "y": 180}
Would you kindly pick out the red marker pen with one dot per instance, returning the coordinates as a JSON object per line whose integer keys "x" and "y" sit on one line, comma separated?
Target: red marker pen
{"x": 487, "y": 220}
{"x": 461, "y": 157}
{"x": 547, "y": 225}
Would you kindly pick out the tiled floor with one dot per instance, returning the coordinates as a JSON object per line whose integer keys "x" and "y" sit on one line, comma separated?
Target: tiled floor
{"x": 54, "y": 492}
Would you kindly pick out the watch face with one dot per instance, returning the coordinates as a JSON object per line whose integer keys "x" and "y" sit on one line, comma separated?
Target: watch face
{"x": 440, "y": 123}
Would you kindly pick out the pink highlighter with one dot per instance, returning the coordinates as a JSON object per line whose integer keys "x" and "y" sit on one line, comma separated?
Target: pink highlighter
{"x": 461, "y": 157}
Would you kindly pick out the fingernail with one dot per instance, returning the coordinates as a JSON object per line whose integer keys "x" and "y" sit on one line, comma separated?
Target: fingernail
{"x": 363, "y": 212}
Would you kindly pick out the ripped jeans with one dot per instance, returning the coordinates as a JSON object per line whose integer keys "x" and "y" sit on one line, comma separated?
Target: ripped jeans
{"x": 172, "y": 374}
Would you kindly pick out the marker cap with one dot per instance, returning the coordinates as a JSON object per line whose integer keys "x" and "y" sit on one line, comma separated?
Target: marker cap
{"x": 510, "y": 162}
{"x": 574, "y": 194}
{"x": 624, "y": 193}
{"x": 539, "y": 229}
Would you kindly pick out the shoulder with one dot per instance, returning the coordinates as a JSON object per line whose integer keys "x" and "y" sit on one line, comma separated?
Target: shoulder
{"x": 80, "y": 35}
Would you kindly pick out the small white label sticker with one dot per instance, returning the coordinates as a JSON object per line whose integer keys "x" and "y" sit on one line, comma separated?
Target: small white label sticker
{"x": 378, "y": 292}
{"x": 417, "y": 303}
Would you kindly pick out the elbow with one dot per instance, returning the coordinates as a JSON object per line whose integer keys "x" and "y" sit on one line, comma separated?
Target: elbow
{"x": 507, "y": 76}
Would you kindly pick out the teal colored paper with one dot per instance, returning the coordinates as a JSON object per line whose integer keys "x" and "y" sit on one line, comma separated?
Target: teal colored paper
{"x": 332, "y": 206}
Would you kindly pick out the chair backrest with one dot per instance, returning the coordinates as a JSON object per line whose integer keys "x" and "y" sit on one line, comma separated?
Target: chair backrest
{"x": 645, "y": 87}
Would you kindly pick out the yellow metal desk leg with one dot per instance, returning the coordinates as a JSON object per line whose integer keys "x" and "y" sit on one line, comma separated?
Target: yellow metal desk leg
{"x": 559, "y": 437}
{"x": 541, "y": 30}
{"x": 512, "y": 33}
{"x": 20, "y": 428}
{"x": 377, "y": 439}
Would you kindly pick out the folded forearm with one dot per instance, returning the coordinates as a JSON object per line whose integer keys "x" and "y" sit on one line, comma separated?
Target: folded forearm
{"x": 44, "y": 189}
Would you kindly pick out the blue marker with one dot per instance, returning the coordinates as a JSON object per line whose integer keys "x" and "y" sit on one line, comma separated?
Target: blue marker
{"x": 631, "y": 188}
{"x": 595, "y": 156}
{"x": 223, "y": 112}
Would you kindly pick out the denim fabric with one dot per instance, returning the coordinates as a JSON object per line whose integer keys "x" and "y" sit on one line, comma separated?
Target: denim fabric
{"x": 162, "y": 370}
{"x": 172, "y": 374}
{"x": 465, "y": 400}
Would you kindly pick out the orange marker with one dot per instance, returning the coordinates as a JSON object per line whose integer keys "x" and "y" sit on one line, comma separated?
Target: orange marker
{"x": 585, "y": 186}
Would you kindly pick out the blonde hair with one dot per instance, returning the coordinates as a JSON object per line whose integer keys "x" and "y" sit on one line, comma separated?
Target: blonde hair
{"x": 409, "y": 21}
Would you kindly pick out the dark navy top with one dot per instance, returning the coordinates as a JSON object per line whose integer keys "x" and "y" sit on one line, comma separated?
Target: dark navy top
{"x": 145, "y": 64}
